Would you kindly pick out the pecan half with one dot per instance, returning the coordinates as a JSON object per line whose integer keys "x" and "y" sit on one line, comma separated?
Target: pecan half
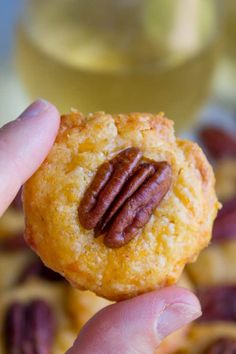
{"x": 108, "y": 182}
{"x": 39, "y": 328}
{"x": 123, "y": 195}
{"x": 29, "y": 329}
{"x": 136, "y": 212}
{"x": 225, "y": 223}
{"x": 143, "y": 172}
{"x": 13, "y": 244}
{"x": 14, "y": 327}
{"x": 218, "y": 303}
{"x": 222, "y": 346}
{"x": 218, "y": 142}
{"x": 38, "y": 269}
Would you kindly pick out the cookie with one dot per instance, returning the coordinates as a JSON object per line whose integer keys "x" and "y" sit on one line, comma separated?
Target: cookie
{"x": 15, "y": 255}
{"x": 43, "y": 304}
{"x": 203, "y": 338}
{"x": 82, "y": 305}
{"x": 216, "y": 265}
{"x": 11, "y": 223}
{"x": 173, "y": 342}
{"x": 225, "y": 172}
{"x": 120, "y": 205}
{"x": 215, "y": 330}
{"x": 11, "y": 267}
{"x": 185, "y": 281}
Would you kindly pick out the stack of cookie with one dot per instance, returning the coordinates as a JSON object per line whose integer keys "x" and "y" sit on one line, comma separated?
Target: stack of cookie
{"x": 214, "y": 273}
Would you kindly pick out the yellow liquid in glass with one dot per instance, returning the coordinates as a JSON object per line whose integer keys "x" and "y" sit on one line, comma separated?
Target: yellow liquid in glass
{"x": 225, "y": 80}
{"x": 87, "y": 69}
{"x": 230, "y": 30}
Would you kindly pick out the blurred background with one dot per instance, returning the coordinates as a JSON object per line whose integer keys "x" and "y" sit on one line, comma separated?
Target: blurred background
{"x": 119, "y": 56}
{"x": 176, "y": 56}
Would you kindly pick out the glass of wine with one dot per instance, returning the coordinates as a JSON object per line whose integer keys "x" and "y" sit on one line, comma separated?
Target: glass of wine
{"x": 120, "y": 56}
{"x": 226, "y": 73}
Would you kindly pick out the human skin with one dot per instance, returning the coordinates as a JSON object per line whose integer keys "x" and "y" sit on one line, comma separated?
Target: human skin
{"x": 133, "y": 326}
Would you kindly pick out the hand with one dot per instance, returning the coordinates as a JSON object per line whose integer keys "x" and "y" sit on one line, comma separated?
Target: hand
{"x": 130, "y": 327}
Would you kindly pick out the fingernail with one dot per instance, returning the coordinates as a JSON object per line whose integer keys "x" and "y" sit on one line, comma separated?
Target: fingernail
{"x": 35, "y": 109}
{"x": 176, "y": 316}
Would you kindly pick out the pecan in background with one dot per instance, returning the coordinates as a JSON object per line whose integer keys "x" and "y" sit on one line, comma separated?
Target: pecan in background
{"x": 13, "y": 243}
{"x": 29, "y": 329}
{"x": 225, "y": 224}
{"x": 218, "y": 142}
{"x": 36, "y": 268}
{"x": 123, "y": 195}
{"x": 218, "y": 303}
{"x": 14, "y": 328}
{"x": 39, "y": 328}
{"x": 222, "y": 346}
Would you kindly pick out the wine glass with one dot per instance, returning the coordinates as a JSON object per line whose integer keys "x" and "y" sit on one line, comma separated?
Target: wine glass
{"x": 120, "y": 56}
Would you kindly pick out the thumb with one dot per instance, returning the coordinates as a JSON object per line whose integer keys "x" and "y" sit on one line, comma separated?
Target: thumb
{"x": 138, "y": 325}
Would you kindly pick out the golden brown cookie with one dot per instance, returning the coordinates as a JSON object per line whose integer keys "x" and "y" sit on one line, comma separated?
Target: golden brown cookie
{"x": 185, "y": 281}
{"x": 54, "y": 322}
{"x": 15, "y": 255}
{"x": 165, "y": 219}
{"x": 225, "y": 172}
{"x": 11, "y": 223}
{"x": 11, "y": 267}
{"x": 216, "y": 265}
{"x": 173, "y": 342}
{"x": 202, "y": 337}
{"x": 82, "y": 305}
{"x": 215, "y": 331}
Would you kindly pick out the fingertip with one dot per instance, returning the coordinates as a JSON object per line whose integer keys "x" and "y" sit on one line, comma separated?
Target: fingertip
{"x": 24, "y": 144}
{"x": 41, "y": 110}
{"x": 179, "y": 294}
{"x": 181, "y": 308}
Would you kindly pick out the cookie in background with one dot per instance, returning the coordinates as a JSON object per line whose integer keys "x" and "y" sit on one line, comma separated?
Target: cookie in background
{"x": 214, "y": 272}
{"x": 35, "y": 312}
{"x": 217, "y": 264}
{"x": 215, "y": 331}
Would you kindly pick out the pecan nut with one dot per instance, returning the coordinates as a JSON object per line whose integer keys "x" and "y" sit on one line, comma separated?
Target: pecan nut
{"x": 218, "y": 303}
{"x": 29, "y": 329}
{"x": 222, "y": 346}
{"x": 13, "y": 243}
{"x": 107, "y": 184}
{"x": 225, "y": 223}
{"x": 139, "y": 177}
{"x": 136, "y": 212}
{"x": 14, "y": 329}
{"x": 123, "y": 195}
{"x": 36, "y": 268}
{"x": 39, "y": 328}
{"x": 218, "y": 142}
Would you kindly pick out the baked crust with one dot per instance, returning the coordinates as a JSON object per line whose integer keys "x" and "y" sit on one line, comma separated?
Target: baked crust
{"x": 177, "y": 231}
